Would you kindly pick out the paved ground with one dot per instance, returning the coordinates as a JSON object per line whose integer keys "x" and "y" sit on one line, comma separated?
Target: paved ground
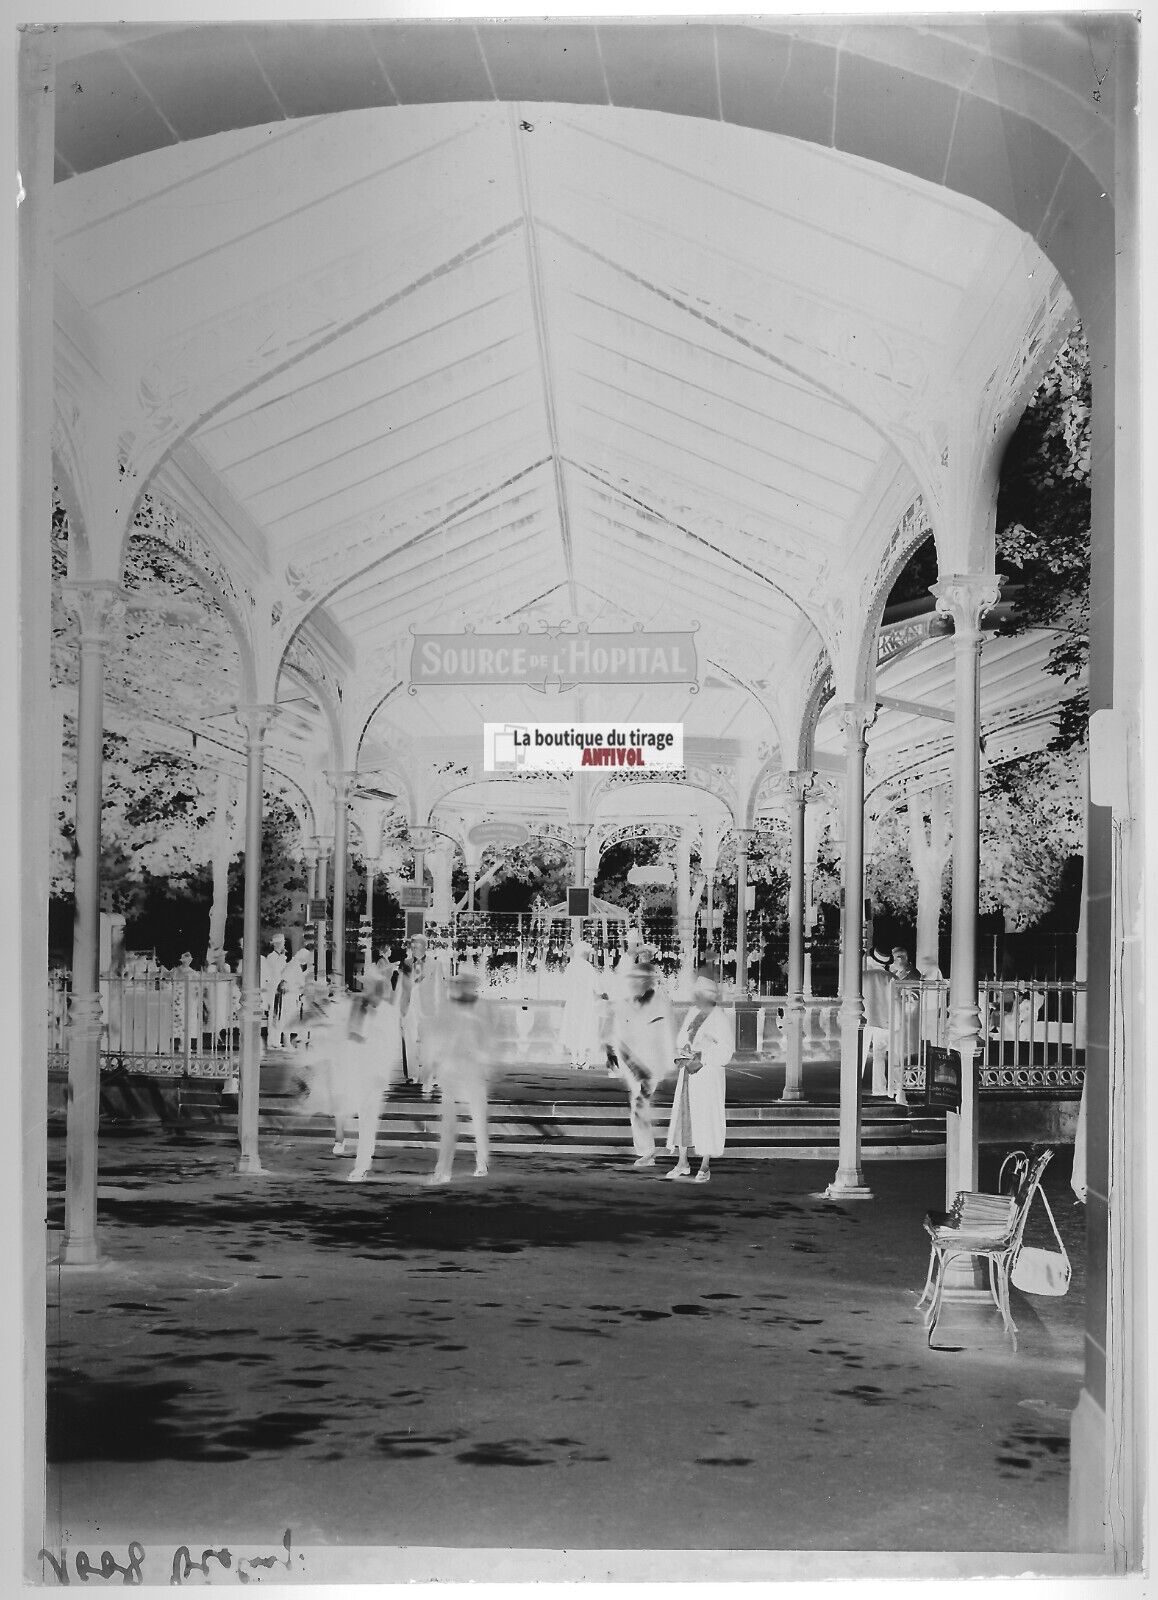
{"x": 559, "y": 1356}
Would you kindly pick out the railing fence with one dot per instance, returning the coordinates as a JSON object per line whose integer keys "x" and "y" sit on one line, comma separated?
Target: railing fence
{"x": 1032, "y": 1033}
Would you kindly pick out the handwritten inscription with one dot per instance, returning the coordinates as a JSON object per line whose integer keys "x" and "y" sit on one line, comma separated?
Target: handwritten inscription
{"x": 183, "y": 1568}
{"x": 109, "y": 1567}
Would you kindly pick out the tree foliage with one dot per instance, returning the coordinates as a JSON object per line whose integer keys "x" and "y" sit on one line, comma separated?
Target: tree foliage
{"x": 1043, "y": 526}
{"x": 539, "y": 867}
{"x": 1031, "y": 825}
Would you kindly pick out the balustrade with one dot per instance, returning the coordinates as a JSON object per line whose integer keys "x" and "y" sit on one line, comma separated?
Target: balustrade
{"x": 1030, "y": 1037}
{"x": 168, "y": 1024}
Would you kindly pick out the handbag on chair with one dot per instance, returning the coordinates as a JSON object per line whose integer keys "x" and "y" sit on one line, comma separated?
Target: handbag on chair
{"x": 1038, "y": 1271}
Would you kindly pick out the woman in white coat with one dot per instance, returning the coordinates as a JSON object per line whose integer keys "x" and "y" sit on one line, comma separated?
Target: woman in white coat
{"x": 705, "y": 1044}
{"x": 579, "y": 1031}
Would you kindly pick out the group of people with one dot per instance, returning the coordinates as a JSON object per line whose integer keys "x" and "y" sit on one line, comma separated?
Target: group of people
{"x": 413, "y": 1020}
{"x": 622, "y": 1017}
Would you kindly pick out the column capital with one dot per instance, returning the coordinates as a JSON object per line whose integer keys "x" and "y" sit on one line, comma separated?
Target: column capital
{"x": 96, "y": 603}
{"x": 256, "y": 720}
{"x": 323, "y": 843}
{"x": 965, "y": 597}
{"x": 799, "y": 785}
{"x": 341, "y": 783}
{"x": 744, "y": 837}
{"x": 422, "y": 836}
{"x": 856, "y": 718}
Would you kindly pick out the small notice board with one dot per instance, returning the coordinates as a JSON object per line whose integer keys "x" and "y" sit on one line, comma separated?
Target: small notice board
{"x": 943, "y": 1078}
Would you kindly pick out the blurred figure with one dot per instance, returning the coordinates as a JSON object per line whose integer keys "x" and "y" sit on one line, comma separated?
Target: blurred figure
{"x": 355, "y": 1054}
{"x": 874, "y": 983}
{"x": 705, "y": 1044}
{"x": 579, "y": 1032}
{"x": 373, "y": 1060}
{"x": 417, "y": 1006}
{"x": 273, "y": 965}
{"x": 614, "y": 991}
{"x": 907, "y": 1002}
{"x": 644, "y": 1047}
{"x": 460, "y": 1051}
{"x": 293, "y": 988}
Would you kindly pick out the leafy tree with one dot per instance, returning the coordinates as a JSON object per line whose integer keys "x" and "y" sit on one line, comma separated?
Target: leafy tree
{"x": 1043, "y": 527}
{"x": 283, "y": 881}
{"x": 539, "y": 867}
{"x": 1031, "y": 825}
{"x": 889, "y": 878}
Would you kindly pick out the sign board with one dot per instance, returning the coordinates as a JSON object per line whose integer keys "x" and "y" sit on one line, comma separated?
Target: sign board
{"x": 492, "y": 833}
{"x": 317, "y": 911}
{"x": 578, "y": 902}
{"x": 943, "y": 1078}
{"x": 413, "y": 895}
{"x": 561, "y": 659}
{"x": 415, "y": 923}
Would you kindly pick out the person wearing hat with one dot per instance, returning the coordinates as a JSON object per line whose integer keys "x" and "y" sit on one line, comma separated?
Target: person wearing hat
{"x": 644, "y": 1045}
{"x": 579, "y": 1031}
{"x": 875, "y": 987}
{"x": 705, "y": 1044}
{"x": 460, "y": 1051}
{"x": 273, "y": 965}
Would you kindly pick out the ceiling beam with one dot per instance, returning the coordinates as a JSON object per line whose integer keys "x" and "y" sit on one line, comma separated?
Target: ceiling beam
{"x": 915, "y": 708}
{"x": 542, "y": 340}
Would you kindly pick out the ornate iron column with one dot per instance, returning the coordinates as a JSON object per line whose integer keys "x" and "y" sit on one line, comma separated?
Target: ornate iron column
{"x": 965, "y": 598}
{"x": 323, "y": 845}
{"x": 579, "y": 832}
{"x": 744, "y": 837}
{"x": 799, "y": 785}
{"x": 256, "y": 720}
{"x": 856, "y": 718}
{"x": 96, "y": 606}
{"x": 310, "y": 854}
{"x": 684, "y": 919}
{"x": 340, "y": 785}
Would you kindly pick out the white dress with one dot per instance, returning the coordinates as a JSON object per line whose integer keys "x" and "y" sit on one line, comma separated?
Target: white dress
{"x": 354, "y": 1056}
{"x": 580, "y": 1029}
{"x": 697, "y": 1114}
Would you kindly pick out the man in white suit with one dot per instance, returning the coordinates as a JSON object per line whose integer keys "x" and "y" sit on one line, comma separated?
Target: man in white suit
{"x": 644, "y": 1051}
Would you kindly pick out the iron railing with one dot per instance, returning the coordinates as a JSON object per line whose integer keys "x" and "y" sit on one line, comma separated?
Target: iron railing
{"x": 1032, "y": 1033}
{"x": 186, "y": 1024}
{"x": 166, "y": 1025}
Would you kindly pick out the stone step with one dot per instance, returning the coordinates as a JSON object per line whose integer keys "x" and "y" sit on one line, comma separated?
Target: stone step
{"x": 600, "y": 1127}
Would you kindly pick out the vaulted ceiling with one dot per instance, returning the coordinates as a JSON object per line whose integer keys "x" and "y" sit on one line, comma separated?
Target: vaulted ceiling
{"x": 501, "y": 364}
